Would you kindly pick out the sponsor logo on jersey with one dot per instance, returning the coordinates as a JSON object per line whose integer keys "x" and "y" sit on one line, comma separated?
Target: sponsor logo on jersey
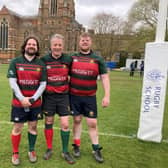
{"x": 75, "y": 60}
{"x": 21, "y": 69}
{"x": 48, "y": 67}
{"x": 57, "y": 78}
{"x": 38, "y": 69}
{"x": 28, "y": 82}
{"x": 91, "y": 61}
{"x": 83, "y": 72}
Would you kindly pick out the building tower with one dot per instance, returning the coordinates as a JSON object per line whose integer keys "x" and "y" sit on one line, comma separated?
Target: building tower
{"x": 58, "y": 16}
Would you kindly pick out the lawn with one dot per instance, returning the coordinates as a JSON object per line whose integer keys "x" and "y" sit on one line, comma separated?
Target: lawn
{"x": 118, "y": 126}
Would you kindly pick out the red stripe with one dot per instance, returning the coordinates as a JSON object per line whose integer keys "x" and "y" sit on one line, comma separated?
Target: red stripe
{"x": 31, "y": 68}
{"x": 60, "y": 71}
{"x": 28, "y": 93}
{"x": 16, "y": 103}
{"x": 30, "y": 75}
{"x": 85, "y": 66}
{"x": 82, "y": 93}
{"x": 31, "y": 65}
{"x": 57, "y": 89}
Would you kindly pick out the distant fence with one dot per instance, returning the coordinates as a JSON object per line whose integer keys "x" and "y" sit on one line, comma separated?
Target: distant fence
{"x": 111, "y": 65}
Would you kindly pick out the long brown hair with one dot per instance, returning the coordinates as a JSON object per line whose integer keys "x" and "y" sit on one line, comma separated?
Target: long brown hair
{"x": 25, "y": 43}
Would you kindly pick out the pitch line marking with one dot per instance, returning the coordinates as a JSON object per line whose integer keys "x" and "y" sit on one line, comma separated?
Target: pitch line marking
{"x": 86, "y": 132}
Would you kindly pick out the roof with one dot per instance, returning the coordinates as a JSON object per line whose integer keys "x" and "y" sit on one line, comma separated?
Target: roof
{"x": 5, "y": 10}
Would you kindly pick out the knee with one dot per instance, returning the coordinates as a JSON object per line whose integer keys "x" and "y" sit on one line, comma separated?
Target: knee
{"x": 92, "y": 124}
{"x": 17, "y": 130}
{"x": 49, "y": 120}
{"x": 33, "y": 129}
{"x": 77, "y": 120}
{"x": 65, "y": 126}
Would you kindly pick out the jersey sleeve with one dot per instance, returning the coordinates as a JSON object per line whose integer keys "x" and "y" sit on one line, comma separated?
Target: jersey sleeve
{"x": 68, "y": 59}
{"x": 43, "y": 73}
{"x": 102, "y": 66}
{"x": 12, "y": 70}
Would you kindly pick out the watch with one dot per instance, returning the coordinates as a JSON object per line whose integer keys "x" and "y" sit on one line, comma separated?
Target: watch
{"x": 31, "y": 100}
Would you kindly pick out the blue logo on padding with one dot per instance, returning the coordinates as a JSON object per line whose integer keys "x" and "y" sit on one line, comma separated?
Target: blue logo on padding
{"x": 155, "y": 75}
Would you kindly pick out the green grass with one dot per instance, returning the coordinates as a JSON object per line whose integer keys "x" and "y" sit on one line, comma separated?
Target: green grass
{"x": 121, "y": 118}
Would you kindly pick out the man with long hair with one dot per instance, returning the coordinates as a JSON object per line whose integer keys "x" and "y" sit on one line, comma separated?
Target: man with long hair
{"x": 27, "y": 78}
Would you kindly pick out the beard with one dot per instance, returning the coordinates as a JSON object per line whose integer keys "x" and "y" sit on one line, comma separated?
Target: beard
{"x": 85, "y": 49}
{"x": 31, "y": 52}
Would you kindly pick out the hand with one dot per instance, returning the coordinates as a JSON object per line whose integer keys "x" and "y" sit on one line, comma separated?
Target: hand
{"x": 25, "y": 102}
{"x": 105, "y": 101}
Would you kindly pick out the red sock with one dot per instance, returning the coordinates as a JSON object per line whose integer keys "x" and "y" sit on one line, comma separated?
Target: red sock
{"x": 49, "y": 137}
{"x": 77, "y": 142}
{"x": 15, "y": 142}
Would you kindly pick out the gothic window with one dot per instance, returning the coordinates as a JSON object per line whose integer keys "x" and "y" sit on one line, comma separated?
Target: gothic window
{"x": 26, "y": 34}
{"x": 53, "y": 7}
{"x": 4, "y": 34}
{"x": 65, "y": 3}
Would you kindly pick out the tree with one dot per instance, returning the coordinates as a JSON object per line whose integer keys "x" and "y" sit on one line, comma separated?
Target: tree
{"x": 143, "y": 18}
{"x": 144, "y": 12}
{"x": 104, "y": 23}
{"x": 105, "y": 27}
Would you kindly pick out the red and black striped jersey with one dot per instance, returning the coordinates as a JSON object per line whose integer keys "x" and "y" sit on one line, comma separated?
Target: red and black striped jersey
{"x": 29, "y": 74}
{"x": 57, "y": 73}
{"x": 84, "y": 71}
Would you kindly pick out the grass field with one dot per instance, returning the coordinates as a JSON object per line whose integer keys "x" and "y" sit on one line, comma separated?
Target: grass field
{"x": 118, "y": 126}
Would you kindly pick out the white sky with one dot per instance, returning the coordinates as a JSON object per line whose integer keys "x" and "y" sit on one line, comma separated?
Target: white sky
{"x": 85, "y": 9}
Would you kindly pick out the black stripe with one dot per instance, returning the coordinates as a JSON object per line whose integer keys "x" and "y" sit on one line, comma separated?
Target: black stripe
{"x": 28, "y": 87}
{"x": 84, "y": 77}
{"x": 58, "y": 83}
{"x": 84, "y": 87}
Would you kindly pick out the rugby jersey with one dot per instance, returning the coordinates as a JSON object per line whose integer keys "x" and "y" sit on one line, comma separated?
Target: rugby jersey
{"x": 57, "y": 73}
{"x": 84, "y": 71}
{"x": 29, "y": 74}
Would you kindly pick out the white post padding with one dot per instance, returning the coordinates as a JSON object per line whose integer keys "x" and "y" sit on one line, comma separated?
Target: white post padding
{"x": 161, "y": 24}
{"x": 153, "y": 92}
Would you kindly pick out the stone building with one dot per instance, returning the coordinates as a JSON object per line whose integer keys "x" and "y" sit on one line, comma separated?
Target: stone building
{"x": 54, "y": 16}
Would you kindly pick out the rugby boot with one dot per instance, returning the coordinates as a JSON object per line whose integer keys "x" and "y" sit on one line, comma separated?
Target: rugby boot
{"x": 47, "y": 154}
{"x": 15, "y": 159}
{"x": 97, "y": 155}
{"x": 68, "y": 157}
{"x": 32, "y": 156}
{"x": 76, "y": 150}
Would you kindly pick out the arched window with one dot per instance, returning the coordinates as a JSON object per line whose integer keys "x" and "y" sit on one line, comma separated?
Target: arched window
{"x": 26, "y": 34}
{"x": 4, "y": 34}
{"x": 53, "y": 7}
{"x": 65, "y": 3}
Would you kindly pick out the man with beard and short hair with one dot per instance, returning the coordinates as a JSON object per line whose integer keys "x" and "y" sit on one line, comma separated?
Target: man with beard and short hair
{"x": 56, "y": 97}
{"x": 27, "y": 78}
{"x": 86, "y": 67}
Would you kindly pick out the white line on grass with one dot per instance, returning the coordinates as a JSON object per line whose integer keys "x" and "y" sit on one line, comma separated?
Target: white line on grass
{"x": 86, "y": 132}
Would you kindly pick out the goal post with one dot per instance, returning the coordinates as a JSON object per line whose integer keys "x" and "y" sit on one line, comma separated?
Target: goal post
{"x": 154, "y": 82}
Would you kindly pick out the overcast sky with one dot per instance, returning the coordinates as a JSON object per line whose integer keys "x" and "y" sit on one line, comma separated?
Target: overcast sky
{"x": 85, "y": 9}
